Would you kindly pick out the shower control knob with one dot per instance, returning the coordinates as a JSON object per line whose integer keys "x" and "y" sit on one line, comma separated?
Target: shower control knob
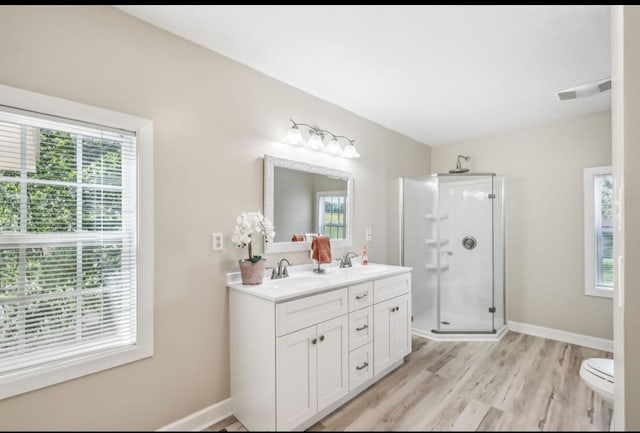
{"x": 469, "y": 242}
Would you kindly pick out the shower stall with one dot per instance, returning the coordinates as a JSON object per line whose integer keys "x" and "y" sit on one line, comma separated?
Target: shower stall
{"x": 453, "y": 238}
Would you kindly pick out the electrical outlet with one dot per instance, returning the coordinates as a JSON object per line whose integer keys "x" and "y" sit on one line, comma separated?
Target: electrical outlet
{"x": 217, "y": 242}
{"x": 368, "y": 234}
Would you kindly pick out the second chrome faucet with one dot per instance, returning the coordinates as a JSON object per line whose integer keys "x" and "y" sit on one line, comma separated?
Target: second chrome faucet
{"x": 345, "y": 261}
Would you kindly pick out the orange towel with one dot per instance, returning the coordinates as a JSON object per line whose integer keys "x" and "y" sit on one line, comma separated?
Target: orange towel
{"x": 297, "y": 238}
{"x": 321, "y": 249}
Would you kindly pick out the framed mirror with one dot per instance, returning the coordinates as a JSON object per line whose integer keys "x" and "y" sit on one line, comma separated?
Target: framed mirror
{"x": 303, "y": 200}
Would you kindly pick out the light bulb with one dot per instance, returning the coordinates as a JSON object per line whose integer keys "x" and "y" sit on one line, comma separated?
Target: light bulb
{"x": 294, "y": 136}
{"x": 333, "y": 147}
{"x": 351, "y": 152}
{"x": 315, "y": 142}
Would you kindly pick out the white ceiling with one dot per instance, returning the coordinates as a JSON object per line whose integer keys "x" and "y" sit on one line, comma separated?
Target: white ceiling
{"x": 438, "y": 74}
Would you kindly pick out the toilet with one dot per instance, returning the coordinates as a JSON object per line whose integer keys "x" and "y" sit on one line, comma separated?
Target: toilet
{"x": 598, "y": 375}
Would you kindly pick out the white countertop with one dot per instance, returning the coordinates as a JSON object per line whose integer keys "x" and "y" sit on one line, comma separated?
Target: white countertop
{"x": 302, "y": 281}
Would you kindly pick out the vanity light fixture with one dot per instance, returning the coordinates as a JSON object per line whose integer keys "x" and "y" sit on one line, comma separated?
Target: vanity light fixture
{"x": 294, "y": 136}
{"x": 316, "y": 141}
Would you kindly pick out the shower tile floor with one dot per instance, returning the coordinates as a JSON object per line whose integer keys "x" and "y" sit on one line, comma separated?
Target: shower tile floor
{"x": 426, "y": 322}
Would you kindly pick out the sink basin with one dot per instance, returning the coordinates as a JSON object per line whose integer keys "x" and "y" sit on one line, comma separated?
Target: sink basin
{"x": 365, "y": 269}
{"x": 369, "y": 269}
{"x": 296, "y": 281}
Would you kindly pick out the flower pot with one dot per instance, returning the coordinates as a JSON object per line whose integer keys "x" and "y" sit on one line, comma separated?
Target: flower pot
{"x": 252, "y": 273}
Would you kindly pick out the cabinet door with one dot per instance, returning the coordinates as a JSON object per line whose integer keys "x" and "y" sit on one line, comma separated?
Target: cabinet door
{"x": 333, "y": 360}
{"x": 383, "y": 350}
{"x": 401, "y": 326}
{"x": 296, "y": 372}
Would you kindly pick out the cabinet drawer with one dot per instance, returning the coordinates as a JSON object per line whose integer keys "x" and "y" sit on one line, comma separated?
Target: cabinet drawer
{"x": 360, "y": 295}
{"x": 360, "y": 327}
{"x": 360, "y": 366}
{"x": 387, "y": 288}
{"x": 300, "y": 313}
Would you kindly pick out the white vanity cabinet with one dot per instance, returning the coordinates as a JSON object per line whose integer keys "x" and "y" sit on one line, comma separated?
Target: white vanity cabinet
{"x": 296, "y": 356}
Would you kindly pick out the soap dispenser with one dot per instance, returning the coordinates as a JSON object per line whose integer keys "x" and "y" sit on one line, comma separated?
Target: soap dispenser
{"x": 365, "y": 258}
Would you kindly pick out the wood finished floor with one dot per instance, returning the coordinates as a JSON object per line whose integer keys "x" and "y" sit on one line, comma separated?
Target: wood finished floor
{"x": 519, "y": 383}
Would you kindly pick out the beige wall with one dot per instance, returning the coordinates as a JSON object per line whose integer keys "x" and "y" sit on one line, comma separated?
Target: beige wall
{"x": 214, "y": 119}
{"x": 543, "y": 167}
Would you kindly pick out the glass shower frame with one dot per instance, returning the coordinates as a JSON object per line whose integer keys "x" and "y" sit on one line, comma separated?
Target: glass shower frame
{"x": 493, "y": 291}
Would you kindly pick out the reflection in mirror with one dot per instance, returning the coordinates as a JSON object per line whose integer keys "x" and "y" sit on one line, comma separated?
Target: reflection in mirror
{"x": 303, "y": 200}
{"x": 308, "y": 203}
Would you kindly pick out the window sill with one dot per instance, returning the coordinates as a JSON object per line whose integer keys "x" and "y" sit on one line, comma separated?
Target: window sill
{"x": 600, "y": 292}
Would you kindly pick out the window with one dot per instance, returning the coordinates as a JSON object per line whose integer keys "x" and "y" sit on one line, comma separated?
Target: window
{"x": 331, "y": 213}
{"x": 598, "y": 231}
{"x": 71, "y": 299}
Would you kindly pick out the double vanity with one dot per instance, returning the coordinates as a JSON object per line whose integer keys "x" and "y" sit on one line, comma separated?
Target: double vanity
{"x": 302, "y": 346}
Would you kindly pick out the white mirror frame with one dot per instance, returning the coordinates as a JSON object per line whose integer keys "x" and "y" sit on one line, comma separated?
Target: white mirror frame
{"x": 270, "y": 162}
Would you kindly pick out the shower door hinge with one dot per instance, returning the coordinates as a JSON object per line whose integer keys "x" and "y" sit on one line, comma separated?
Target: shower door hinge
{"x": 492, "y": 309}
{"x": 491, "y": 196}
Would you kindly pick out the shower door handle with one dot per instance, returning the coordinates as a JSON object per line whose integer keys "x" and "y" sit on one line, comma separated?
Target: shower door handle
{"x": 447, "y": 253}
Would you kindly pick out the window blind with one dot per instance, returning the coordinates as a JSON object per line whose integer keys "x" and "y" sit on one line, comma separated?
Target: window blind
{"x": 67, "y": 239}
{"x": 603, "y": 200}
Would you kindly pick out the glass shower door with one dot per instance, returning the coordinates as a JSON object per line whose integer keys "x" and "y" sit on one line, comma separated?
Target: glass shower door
{"x": 465, "y": 254}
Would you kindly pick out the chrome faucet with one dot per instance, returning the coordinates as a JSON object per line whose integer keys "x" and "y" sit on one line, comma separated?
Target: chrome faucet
{"x": 282, "y": 271}
{"x": 345, "y": 261}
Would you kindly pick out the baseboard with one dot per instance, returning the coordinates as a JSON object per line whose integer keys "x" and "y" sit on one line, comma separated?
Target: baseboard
{"x": 203, "y": 418}
{"x": 564, "y": 336}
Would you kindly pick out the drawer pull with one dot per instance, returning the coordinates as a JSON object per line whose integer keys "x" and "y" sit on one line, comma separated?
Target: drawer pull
{"x": 360, "y": 367}
{"x": 314, "y": 341}
{"x": 364, "y": 295}
{"x": 362, "y": 328}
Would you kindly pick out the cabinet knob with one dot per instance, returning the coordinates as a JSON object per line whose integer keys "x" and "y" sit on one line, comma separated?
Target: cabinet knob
{"x": 362, "y": 328}
{"x": 360, "y": 367}
{"x": 314, "y": 341}
{"x": 322, "y": 338}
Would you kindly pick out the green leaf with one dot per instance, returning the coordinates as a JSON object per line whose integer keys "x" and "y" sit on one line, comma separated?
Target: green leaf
{"x": 255, "y": 259}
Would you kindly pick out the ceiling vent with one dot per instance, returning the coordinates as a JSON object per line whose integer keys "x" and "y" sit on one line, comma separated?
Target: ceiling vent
{"x": 604, "y": 85}
{"x": 585, "y": 90}
{"x": 567, "y": 94}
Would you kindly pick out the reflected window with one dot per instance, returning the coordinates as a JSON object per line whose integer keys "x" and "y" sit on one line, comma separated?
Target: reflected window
{"x": 331, "y": 214}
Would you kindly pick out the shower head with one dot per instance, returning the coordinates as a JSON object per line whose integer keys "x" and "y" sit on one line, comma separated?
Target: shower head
{"x": 459, "y": 168}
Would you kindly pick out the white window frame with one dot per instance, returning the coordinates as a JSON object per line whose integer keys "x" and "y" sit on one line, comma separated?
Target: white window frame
{"x": 591, "y": 287}
{"x": 42, "y": 376}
